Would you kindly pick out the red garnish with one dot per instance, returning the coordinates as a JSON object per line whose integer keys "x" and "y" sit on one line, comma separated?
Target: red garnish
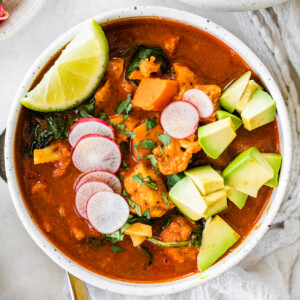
{"x": 3, "y": 13}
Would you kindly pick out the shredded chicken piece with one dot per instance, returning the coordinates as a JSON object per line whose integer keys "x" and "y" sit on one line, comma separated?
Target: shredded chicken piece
{"x": 171, "y": 44}
{"x": 179, "y": 230}
{"x": 214, "y": 93}
{"x": 39, "y": 187}
{"x": 176, "y": 155}
{"x": 146, "y": 68}
{"x": 146, "y": 196}
{"x": 78, "y": 233}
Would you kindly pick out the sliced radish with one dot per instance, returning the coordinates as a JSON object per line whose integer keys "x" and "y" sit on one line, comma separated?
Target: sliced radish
{"x": 85, "y": 191}
{"x": 103, "y": 176}
{"x": 96, "y": 152}
{"x": 201, "y": 101}
{"x": 89, "y": 126}
{"x": 180, "y": 119}
{"x": 107, "y": 212}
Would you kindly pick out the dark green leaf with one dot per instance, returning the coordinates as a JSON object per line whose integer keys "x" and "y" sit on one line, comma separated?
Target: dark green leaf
{"x": 165, "y": 139}
{"x": 124, "y": 147}
{"x": 57, "y": 126}
{"x": 165, "y": 198}
{"x": 124, "y": 193}
{"x": 150, "y": 124}
{"x": 136, "y": 150}
{"x": 116, "y": 249}
{"x": 166, "y": 221}
{"x": 129, "y": 134}
{"x": 142, "y": 53}
{"x": 135, "y": 206}
{"x": 148, "y": 254}
{"x": 90, "y": 106}
{"x": 121, "y": 178}
{"x": 140, "y": 219}
{"x": 173, "y": 179}
{"x": 125, "y": 165}
{"x": 104, "y": 117}
{"x": 83, "y": 113}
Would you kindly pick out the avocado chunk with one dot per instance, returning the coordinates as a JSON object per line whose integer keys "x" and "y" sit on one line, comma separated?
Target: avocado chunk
{"x": 232, "y": 95}
{"x": 215, "y": 137}
{"x": 248, "y": 172}
{"x": 217, "y": 238}
{"x": 259, "y": 111}
{"x": 237, "y": 122}
{"x": 188, "y": 199}
{"x": 247, "y": 95}
{"x": 216, "y": 203}
{"x": 206, "y": 179}
{"x": 274, "y": 160}
{"x": 236, "y": 197}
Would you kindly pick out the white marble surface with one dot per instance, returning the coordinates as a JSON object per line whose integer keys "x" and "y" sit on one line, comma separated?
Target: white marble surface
{"x": 25, "y": 271}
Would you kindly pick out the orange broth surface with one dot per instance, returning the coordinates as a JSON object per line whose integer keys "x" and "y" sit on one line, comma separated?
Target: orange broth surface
{"x": 53, "y": 210}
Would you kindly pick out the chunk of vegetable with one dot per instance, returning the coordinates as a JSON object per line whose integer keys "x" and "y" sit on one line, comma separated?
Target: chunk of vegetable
{"x": 137, "y": 240}
{"x": 171, "y": 43}
{"x": 155, "y": 93}
{"x": 139, "y": 229}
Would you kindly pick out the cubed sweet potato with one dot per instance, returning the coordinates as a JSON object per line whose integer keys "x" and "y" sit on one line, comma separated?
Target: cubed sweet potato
{"x": 155, "y": 93}
{"x": 139, "y": 229}
{"x": 137, "y": 240}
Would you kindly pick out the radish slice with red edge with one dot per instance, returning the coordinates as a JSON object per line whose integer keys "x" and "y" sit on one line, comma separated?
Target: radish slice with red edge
{"x": 104, "y": 176}
{"x": 201, "y": 101}
{"x": 85, "y": 191}
{"x": 96, "y": 152}
{"x": 89, "y": 126}
{"x": 107, "y": 212}
{"x": 180, "y": 119}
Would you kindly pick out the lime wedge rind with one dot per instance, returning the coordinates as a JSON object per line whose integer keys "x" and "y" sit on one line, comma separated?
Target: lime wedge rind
{"x": 45, "y": 98}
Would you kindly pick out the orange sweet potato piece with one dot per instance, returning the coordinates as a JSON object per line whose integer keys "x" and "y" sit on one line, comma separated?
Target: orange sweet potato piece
{"x": 139, "y": 229}
{"x": 137, "y": 240}
{"x": 141, "y": 134}
{"x": 155, "y": 93}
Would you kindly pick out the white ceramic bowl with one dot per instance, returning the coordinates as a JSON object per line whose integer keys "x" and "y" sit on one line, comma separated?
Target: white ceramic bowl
{"x": 233, "y": 5}
{"x": 230, "y": 260}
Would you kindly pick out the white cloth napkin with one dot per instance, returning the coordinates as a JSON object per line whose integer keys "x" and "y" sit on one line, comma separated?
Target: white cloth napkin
{"x": 272, "y": 269}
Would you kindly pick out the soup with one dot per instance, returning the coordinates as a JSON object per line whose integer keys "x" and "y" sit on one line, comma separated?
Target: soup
{"x": 185, "y": 59}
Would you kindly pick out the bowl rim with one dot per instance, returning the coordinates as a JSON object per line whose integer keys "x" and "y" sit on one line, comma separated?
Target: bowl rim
{"x": 265, "y": 220}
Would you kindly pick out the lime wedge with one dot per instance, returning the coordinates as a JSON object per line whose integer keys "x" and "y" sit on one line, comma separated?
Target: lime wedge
{"x": 75, "y": 75}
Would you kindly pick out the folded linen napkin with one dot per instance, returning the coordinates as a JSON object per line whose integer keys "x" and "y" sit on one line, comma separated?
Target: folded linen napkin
{"x": 272, "y": 269}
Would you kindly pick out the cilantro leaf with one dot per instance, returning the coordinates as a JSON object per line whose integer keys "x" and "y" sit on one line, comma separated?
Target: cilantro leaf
{"x": 147, "y": 144}
{"x": 165, "y": 139}
{"x": 117, "y": 235}
{"x": 147, "y": 214}
{"x": 165, "y": 198}
{"x": 163, "y": 153}
{"x": 123, "y": 106}
{"x": 150, "y": 124}
{"x": 116, "y": 249}
{"x": 153, "y": 161}
{"x": 135, "y": 206}
{"x": 146, "y": 182}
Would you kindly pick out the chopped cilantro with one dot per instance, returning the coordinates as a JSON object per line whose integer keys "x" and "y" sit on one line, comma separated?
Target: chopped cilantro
{"x": 117, "y": 235}
{"x": 147, "y": 181}
{"x": 126, "y": 132}
{"x": 153, "y": 161}
{"x": 116, "y": 249}
{"x": 124, "y": 193}
{"x": 124, "y": 106}
{"x": 121, "y": 178}
{"x": 165, "y": 139}
{"x": 165, "y": 198}
{"x": 103, "y": 116}
{"x": 125, "y": 165}
{"x": 147, "y": 214}
{"x": 150, "y": 124}
{"x": 163, "y": 153}
{"x": 135, "y": 206}
{"x": 124, "y": 147}
{"x": 147, "y": 144}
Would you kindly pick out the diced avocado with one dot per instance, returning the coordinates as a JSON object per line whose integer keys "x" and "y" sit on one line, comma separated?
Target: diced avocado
{"x": 215, "y": 137}
{"x": 237, "y": 122}
{"x": 259, "y": 111}
{"x": 235, "y": 196}
{"x": 248, "y": 172}
{"x": 247, "y": 95}
{"x": 217, "y": 238}
{"x": 216, "y": 203}
{"x": 274, "y": 160}
{"x": 232, "y": 95}
{"x": 188, "y": 199}
{"x": 206, "y": 179}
